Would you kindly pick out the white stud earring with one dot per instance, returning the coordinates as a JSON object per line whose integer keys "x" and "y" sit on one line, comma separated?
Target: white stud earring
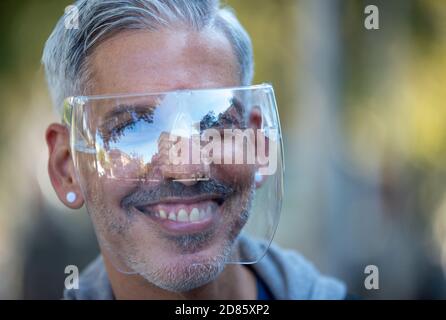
{"x": 71, "y": 197}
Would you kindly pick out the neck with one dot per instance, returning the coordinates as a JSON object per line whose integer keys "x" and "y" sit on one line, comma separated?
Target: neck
{"x": 235, "y": 282}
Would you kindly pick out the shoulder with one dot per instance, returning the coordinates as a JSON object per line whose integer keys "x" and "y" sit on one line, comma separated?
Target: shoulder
{"x": 290, "y": 276}
{"x": 93, "y": 283}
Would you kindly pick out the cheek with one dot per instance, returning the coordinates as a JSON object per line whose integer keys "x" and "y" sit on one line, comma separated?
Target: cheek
{"x": 103, "y": 200}
{"x": 110, "y": 220}
{"x": 241, "y": 176}
{"x": 102, "y": 188}
{"x": 113, "y": 191}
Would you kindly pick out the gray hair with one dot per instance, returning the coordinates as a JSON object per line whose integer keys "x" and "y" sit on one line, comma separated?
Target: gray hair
{"x": 67, "y": 49}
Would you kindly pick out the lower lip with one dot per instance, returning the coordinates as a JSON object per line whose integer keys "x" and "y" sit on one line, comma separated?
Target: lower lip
{"x": 186, "y": 227}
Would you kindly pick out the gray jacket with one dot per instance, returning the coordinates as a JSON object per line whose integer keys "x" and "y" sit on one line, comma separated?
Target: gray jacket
{"x": 285, "y": 272}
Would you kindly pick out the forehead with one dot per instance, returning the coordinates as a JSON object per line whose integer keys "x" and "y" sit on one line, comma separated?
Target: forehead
{"x": 147, "y": 61}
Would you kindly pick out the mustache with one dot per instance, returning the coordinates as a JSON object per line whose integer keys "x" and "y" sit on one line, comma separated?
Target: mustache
{"x": 144, "y": 196}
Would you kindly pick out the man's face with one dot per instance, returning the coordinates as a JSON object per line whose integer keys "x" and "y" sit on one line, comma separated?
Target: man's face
{"x": 132, "y": 219}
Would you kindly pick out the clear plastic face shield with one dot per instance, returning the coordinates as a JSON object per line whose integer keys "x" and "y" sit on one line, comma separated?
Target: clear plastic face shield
{"x": 173, "y": 180}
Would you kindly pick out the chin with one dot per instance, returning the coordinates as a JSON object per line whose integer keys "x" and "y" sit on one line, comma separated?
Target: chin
{"x": 185, "y": 273}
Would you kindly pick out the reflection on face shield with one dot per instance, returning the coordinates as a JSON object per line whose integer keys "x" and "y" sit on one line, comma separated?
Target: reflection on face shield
{"x": 172, "y": 180}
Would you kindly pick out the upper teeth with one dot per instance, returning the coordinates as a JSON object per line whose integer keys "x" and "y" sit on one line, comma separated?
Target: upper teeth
{"x": 183, "y": 216}
{"x": 194, "y": 215}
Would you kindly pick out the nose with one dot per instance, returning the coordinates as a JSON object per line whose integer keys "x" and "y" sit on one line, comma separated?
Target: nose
{"x": 185, "y": 172}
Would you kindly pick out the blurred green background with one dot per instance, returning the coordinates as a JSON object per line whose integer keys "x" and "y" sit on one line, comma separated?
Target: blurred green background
{"x": 364, "y": 120}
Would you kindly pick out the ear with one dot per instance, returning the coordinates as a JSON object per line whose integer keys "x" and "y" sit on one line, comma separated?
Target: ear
{"x": 61, "y": 166}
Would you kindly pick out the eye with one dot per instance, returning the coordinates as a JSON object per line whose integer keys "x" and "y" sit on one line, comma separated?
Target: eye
{"x": 115, "y": 128}
{"x": 209, "y": 121}
{"x": 232, "y": 118}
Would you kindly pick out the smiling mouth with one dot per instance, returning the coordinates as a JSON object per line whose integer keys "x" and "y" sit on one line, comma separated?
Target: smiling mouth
{"x": 184, "y": 215}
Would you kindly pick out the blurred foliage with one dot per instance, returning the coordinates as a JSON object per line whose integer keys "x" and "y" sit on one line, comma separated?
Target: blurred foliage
{"x": 392, "y": 112}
